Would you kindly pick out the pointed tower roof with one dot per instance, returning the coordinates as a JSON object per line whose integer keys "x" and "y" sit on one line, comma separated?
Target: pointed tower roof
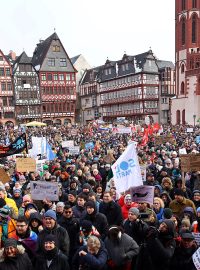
{"x": 23, "y": 59}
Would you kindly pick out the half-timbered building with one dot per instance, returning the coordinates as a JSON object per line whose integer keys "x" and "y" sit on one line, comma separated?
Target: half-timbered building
{"x": 27, "y": 92}
{"x": 57, "y": 78}
{"x": 7, "y": 110}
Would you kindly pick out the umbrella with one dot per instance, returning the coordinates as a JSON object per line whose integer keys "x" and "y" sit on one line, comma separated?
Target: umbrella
{"x": 35, "y": 124}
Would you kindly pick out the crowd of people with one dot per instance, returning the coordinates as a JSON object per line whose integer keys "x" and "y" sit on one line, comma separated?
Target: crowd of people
{"x": 92, "y": 226}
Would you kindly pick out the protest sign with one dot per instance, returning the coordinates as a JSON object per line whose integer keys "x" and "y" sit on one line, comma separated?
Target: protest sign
{"x": 126, "y": 170}
{"x": 109, "y": 158}
{"x": 182, "y": 151}
{"x": 89, "y": 146}
{"x": 190, "y": 162}
{"x": 163, "y": 139}
{"x": 41, "y": 190}
{"x": 198, "y": 139}
{"x": 25, "y": 165}
{"x": 4, "y": 177}
{"x": 66, "y": 144}
{"x": 143, "y": 172}
{"x": 196, "y": 259}
{"x": 124, "y": 130}
{"x": 190, "y": 130}
{"x": 142, "y": 194}
{"x": 74, "y": 150}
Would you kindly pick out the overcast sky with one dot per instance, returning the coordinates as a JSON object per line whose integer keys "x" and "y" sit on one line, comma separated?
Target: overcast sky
{"x": 96, "y": 29}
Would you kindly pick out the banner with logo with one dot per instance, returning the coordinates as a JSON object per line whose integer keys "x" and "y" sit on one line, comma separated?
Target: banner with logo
{"x": 126, "y": 170}
{"x": 196, "y": 259}
{"x": 66, "y": 144}
{"x": 41, "y": 190}
{"x": 142, "y": 194}
{"x": 16, "y": 147}
{"x": 124, "y": 130}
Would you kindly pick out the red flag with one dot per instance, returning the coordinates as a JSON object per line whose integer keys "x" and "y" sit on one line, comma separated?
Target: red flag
{"x": 156, "y": 127}
{"x": 145, "y": 137}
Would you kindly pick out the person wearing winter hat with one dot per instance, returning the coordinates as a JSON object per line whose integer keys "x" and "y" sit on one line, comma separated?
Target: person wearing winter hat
{"x": 99, "y": 220}
{"x": 86, "y": 230}
{"x": 182, "y": 258}
{"x": 196, "y": 223}
{"x": 14, "y": 257}
{"x": 9, "y": 202}
{"x": 35, "y": 222}
{"x": 71, "y": 198}
{"x": 128, "y": 203}
{"x": 17, "y": 197}
{"x": 26, "y": 200}
{"x": 51, "y": 257}
{"x": 167, "y": 213}
{"x": 59, "y": 209}
{"x": 134, "y": 226}
{"x": 51, "y": 227}
{"x": 196, "y": 198}
{"x": 159, "y": 248}
{"x": 180, "y": 202}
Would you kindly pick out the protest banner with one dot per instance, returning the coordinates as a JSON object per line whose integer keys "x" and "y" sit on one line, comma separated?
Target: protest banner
{"x": 120, "y": 130}
{"x": 182, "y": 151}
{"x": 41, "y": 190}
{"x": 74, "y": 150}
{"x": 198, "y": 139}
{"x": 4, "y": 177}
{"x": 142, "y": 194}
{"x": 196, "y": 259}
{"x": 126, "y": 170}
{"x": 190, "y": 162}
{"x": 66, "y": 144}
{"x": 89, "y": 146}
{"x": 163, "y": 139}
{"x": 25, "y": 165}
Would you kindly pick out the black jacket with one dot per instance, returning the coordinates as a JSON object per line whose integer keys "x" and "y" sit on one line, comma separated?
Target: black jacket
{"x": 136, "y": 230}
{"x": 59, "y": 262}
{"x": 63, "y": 242}
{"x": 21, "y": 261}
{"x": 72, "y": 227}
{"x": 113, "y": 212}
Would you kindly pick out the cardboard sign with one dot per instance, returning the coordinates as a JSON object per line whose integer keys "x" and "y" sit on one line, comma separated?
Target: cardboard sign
{"x": 190, "y": 130}
{"x": 4, "y": 177}
{"x": 109, "y": 158}
{"x": 66, "y": 144}
{"x": 197, "y": 238}
{"x": 41, "y": 190}
{"x": 190, "y": 162}
{"x": 182, "y": 151}
{"x": 163, "y": 139}
{"x": 74, "y": 150}
{"x": 143, "y": 194}
{"x": 25, "y": 165}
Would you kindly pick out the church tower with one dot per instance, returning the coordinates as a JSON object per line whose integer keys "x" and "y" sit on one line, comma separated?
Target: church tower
{"x": 186, "y": 106}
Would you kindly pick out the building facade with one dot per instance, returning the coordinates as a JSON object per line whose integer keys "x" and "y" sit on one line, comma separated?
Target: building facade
{"x": 57, "y": 78}
{"x": 7, "y": 109}
{"x": 81, "y": 65}
{"x": 26, "y": 89}
{"x": 186, "y": 105}
{"x": 90, "y": 95}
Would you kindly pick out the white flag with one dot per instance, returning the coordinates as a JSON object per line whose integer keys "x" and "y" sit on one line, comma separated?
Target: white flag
{"x": 126, "y": 170}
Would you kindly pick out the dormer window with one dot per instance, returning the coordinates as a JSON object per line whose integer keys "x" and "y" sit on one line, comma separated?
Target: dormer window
{"x": 51, "y": 62}
{"x": 108, "y": 71}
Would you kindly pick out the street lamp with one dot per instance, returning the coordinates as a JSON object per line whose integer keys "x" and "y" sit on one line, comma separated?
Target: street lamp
{"x": 194, "y": 116}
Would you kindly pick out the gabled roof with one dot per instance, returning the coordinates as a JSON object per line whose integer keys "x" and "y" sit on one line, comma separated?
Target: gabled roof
{"x": 42, "y": 48}
{"x": 6, "y": 57}
{"x": 74, "y": 59}
{"x": 164, "y": 64}
{"x": 92, "y": 75}
{"x": 23, "y": 59}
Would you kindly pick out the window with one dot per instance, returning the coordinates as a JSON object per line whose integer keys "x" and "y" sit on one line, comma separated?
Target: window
{"x": 63, "y": 62}
{"x": 194, "y": 23}
{"x": 164, "y": 100}
{"x": 73, "y": 77}
{"x": 56, "y": 48}
{"x": 55, "y": 77}
{"x": 194, "y": 3}
{"x": 183, "y": 4}
{"x": 61, "y": 77}
{"x": 10, "y": 101}
{"x": 68, "y": 77}
{"x": 3, "y": 86}
{"x": 9, "y": 86}
{"x": 1, "y": 58}
{"x": 4, "y": 101}
{"x": 7, "y": 72}
{"x": 2, "y": 72}
{"x": 43, "y": 77}
{"x": 49, "y": 77}
{"x": 183, "y": 32}
{"x": 71, "y": 91}
{"x": 182, "y": 88}
{"x": 51, "y": 62}
{"x": 182, "y": 68}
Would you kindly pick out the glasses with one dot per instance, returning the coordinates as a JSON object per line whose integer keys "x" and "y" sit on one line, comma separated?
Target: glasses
{"x": 68, "y": 212}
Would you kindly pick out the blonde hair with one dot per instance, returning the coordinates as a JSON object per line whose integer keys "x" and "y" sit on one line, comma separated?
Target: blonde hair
{"x": 93, "y": 242}
{"x": 160, "y": 201}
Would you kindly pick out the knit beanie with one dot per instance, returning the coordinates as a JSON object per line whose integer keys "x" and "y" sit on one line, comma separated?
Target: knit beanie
{"x": 50, "y": 238}
{"x": 178, "y": 192}
{"x": 51, "y": 214}
{"x": 90, "y": 204}
{"x": 167, "y": 213}
{"x": 11, "y": 242}
{"x": 134, "y": 211}
{"x": 86, "y": 226}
